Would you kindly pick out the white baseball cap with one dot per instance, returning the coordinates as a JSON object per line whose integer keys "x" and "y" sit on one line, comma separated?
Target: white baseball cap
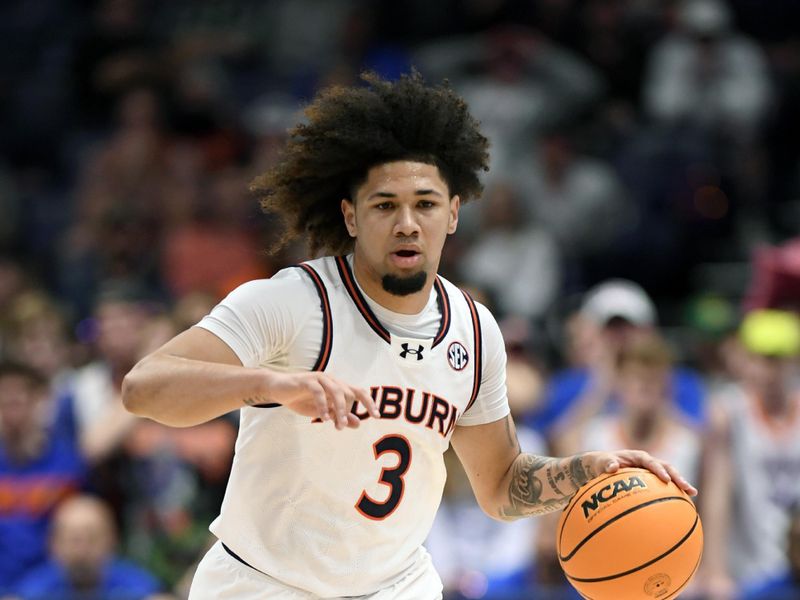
{"x": 619, "y": 298}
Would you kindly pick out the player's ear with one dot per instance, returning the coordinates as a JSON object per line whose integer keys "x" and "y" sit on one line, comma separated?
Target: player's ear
{"x": 349, "y": 212}
{"x": 455, "y": 205}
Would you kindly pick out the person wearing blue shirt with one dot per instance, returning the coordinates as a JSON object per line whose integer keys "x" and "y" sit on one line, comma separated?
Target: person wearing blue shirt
{"x": 40, "y": 465}
{"x": 611, "y": 315}
{"x": 83, "y": 564}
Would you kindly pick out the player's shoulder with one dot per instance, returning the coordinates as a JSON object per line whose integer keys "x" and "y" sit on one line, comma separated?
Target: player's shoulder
{"x": 288, "y": 285}
{"x": 454, "y": 290}
{"x": 487, "y": 320}
{"x": 327, "y": 271}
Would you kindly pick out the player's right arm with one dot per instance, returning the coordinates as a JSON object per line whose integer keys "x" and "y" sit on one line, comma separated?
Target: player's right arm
{"x": 196, "y": 377}
{"x": 217, "y": 366}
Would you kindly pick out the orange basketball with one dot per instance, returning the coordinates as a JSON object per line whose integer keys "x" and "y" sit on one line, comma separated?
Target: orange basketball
{"x": 629, "y": 536}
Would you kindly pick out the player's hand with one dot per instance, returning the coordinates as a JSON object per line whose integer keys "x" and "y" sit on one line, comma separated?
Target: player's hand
{"x": 318, "y": 395}
{"x": 611, "y": 462}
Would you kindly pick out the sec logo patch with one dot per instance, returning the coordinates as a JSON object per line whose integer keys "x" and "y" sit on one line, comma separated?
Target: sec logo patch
{"x": 457, "y": 356}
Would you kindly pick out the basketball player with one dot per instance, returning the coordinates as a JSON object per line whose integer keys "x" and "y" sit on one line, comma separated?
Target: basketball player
{"x": 355, "y": 371}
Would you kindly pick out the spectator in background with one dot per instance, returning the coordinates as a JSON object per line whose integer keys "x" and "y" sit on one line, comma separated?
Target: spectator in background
{"x": 711, "y": 339}
{"x": 217, "y": 248}
{"x": 753, "y": 459}
{"x": 646, "y": 418}
{"x": 613, "y": 314}
{"x": 515, "y": 81}
{"x": 775, "y": 277}
{"x": 707, "y": 75}
{"x": 513, "y": 258}
{"x": 579, "y": 200}
{"x": 787, "y": 585}
{"x": 38, "y": 337}
{"x": 708, "y": 88}
{"x": 121, "y": 197}
{"x": 119, "y": 327}
{"x": 165, "y": 484}
{"x": 82, "y": 561}
{"x": 13, "y": 281}
{"x": 40, "y": 465}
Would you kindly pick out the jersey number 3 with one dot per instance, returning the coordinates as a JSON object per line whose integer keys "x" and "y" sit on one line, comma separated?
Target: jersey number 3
{"x": 393, "y": 478}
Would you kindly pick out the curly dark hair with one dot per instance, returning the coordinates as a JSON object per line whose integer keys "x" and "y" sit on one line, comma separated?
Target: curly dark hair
{"x": 352, "y": 129}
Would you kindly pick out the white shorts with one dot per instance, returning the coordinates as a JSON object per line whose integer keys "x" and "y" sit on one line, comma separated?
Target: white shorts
{"x": 220, "y": 576}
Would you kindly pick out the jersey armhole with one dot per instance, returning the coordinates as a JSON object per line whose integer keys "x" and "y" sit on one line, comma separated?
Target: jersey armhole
{"x": 478, "y": 349}
{"x": 327, "y": 322}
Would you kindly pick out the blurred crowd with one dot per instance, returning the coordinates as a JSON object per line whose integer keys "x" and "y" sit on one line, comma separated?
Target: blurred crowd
{"x": 638, "y": 239}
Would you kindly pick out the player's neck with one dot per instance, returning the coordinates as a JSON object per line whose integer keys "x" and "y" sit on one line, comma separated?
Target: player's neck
{"x": 370, "y": 282}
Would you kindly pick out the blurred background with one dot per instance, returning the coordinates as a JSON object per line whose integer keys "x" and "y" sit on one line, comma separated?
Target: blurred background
{"x": 637, "y": 240}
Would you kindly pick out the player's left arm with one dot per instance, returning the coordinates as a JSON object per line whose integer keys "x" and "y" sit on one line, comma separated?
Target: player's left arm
{"x": 510, "y": 484}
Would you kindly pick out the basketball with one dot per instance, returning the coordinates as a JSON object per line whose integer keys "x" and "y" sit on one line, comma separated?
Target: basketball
{"x": 629, "y": 536}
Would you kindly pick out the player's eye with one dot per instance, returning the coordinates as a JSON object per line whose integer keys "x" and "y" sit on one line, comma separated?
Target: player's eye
{"x": 383, "y": 205}
{"x": 426, "y": 204}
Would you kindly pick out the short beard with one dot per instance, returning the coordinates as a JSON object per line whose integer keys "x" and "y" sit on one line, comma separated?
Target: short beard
{"x": 403, "y": 286}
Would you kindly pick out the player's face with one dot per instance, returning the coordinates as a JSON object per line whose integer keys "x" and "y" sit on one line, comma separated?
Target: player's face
{"x": 400, "y": 219}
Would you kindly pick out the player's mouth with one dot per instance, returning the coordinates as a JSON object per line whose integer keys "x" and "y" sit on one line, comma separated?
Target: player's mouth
{"x": 407, "y": 258}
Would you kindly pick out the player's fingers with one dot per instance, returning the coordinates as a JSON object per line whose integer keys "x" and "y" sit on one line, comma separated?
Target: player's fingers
{"x": 680, "y": 480}
{"x": 354, "y": 395}
{"x": 353, "y": 421}
{"x": 361, "y": 396}
{"x": 319, "y": 400}
{"x": 366, "y": 401}
{"x": 337, "y": 401}
{"x": 655, "y": 466}
{"x": 639, "y": 458}
{"x": 611, "y": 465}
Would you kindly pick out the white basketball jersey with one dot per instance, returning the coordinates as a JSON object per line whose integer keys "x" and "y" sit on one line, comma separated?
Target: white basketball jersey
{"x": 344, "y": 513}
{"x": 766, "y": 462}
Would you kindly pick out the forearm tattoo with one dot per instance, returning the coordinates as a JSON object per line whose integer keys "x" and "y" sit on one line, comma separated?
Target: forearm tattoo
{"x": 577, "y": 473}
{"x": 553, "y": 480}
{"x": 527, "y": 493}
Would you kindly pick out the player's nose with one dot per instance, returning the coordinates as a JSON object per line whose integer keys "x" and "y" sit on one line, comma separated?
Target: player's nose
{"x": 406, "y": 223}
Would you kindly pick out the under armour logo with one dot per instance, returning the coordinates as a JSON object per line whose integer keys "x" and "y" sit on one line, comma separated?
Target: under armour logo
{"x": 415, "y": 351}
